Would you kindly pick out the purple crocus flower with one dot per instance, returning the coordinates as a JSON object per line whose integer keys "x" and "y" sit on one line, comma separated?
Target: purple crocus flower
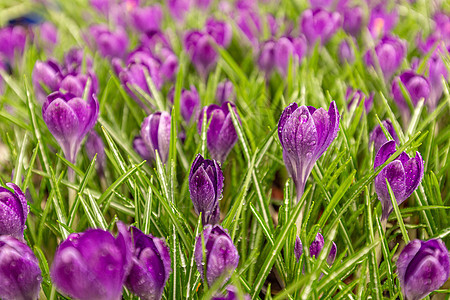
{"x": 155, "y": 132}
{"x": 45, "y": 78}
{"x": 436, "y": 71}
{"x": 20, "y": 276}
{"x": 222, "y": 257}
{"x": 353, "y": 95}
{"x": 321, "y": 3}
{"x": 69, "y": 119}
{"x": 141, "y": 149}
{"x": 404, "y": 175}
{"x": 147, "y": 18}
{"x": 109, "y": 43}
{"x": 225, "y": 92}
{"x": 12, "y": 42}
{"x": 418, "y": 87}
{"x": 381, "y": 21}
{"x": 289, "y": 48}
{"x": 352, "y": 19}
{"x": 378, "y": 138}
{"x": 13, "y": 211}
{"x": 221, "y": 135}
{"x": 76, "y": 84}
{"x": 205, "y": 188}
{"x": 150, "y": 267}
{"x": 305, "y": 134}
{"x": 48, "y": 36}
{"x": 94, "y": 145}
{"x": 346, "y": 52}
{"x": 315, "y": 248}
{"x": 221, "y": 31}
{"x": 74, "y": 59}
{"x": 202, "y": 4}
{"x": 319, "y": 24}
{"x": 200, "y": 48}
{"x": 189, "y": 102}
{"x": 266, "y": 58}
{"x": 249, "y": 22}
{"x": 389, "y": 52}
{"x": 92, "y": 264}
{"x": 179, "y": 8}
{"x": 423, "y": 267}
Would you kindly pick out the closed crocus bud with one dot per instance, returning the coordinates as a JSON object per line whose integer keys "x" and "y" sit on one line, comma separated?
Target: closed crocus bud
{"x": 94, "y": 145}
{"x": 346, "y": 53}
{"x": 179, "y": 8}
{"x": 316, "y": 247}
{"x": 222, "y": 257}
{"x": 221, "y": 31}
{"x": 231, "y": 294}
{"x": 189, "y": 102}
{"x": 225, "y": 92}
{"x": 20, "y": 276}
{"x": 417, "y": 86}
{"x": 109, "y": 43}
{"x": 266, "y": 59}
{"x": 436, "y": 72}
{"x": 12, "y": 42}
{"x": 423, "y": 267}
{"x": 404, "y": 175}
{"x": 155, "y": 132}
{"x": 13, "y": 211}
{"x": 45, "y": 77}
{"x": 48, "y": 36}
{"x": 92, "y": 265}
{"x": 200, "y": 48}
{"x": 75, "y": 59}
{"x": 382, "y": 21}
{"x": 353, "y": 95}
{"x": 221, "y": 135}
{"x": 69, "y": 119}
{"x": 378, "y": 138}
{"x": 141, "y": 149}
{"x": 205, "y": 188}
{"x": 305, "y": 134}
{"x": 150, "y": 268}
{"x": 286, "y": 49}
{"x": 352, "y": 20}
{"x": 249, "y": 22}
{"x": 319, "y": 24}
{"x": 147, "y": 18}
{"x": 389, "y": 53}
{"x": 298, "y": 248}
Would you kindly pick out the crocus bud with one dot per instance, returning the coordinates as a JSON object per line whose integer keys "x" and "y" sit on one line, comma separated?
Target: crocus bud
{"x": 389, "y": 52}
{"x": 20, "y": 276}
{"x": 423, "y": 267}
{"x": 353, "y": 95}
{"x": 298, "y": 248}
{"x": 225, "y": 92}
{"x": 437, "y": 70}
{"x": 352, "y": 23}
{"x": 287, "y": 48}
{"x": 221, "y": 31}
{"x": 69, "y": 119}
{"x": 346, "y": 53}
{"x": 92, "y": 265}
{"x": 319, "y": 24}
{"x": 155, "y": 132}
{"x": 221, "y": 135}
{"x": 381, "y": 21}
{"x": 316, "y": 247}
{"x": 74, "y": 60}
{"x": 179, "y": 8}
{"x": 305, "y": 134}
{"x": 231, "y": 294}
{"x": 109, "y": 43}
{"x": 150, "y": 267}
{"x": 147, "y": 18}
{"x": 48, "y": 36}
{"x": 249, "y": 22}
{"x": 378, "y": 138}
{"x": 45, "y": 78}
{"x": 200, "y": 48}
{"x": 417, "y": 86}
{"x": 266, "y": 58}
{"x": 141, "y": 149}
{"x": 404, "y": 175}
{"x": 189, "y": 102}
{"x": 94, "y": 145}
{"x": 222, "y": 257}
{"x": 12, "y": 42}
{"x": 205, "y": 188}
{"x": 13, "y": 211}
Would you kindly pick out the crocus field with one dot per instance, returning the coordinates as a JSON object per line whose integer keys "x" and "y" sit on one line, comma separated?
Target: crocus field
{"x": 224, "y": 149}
